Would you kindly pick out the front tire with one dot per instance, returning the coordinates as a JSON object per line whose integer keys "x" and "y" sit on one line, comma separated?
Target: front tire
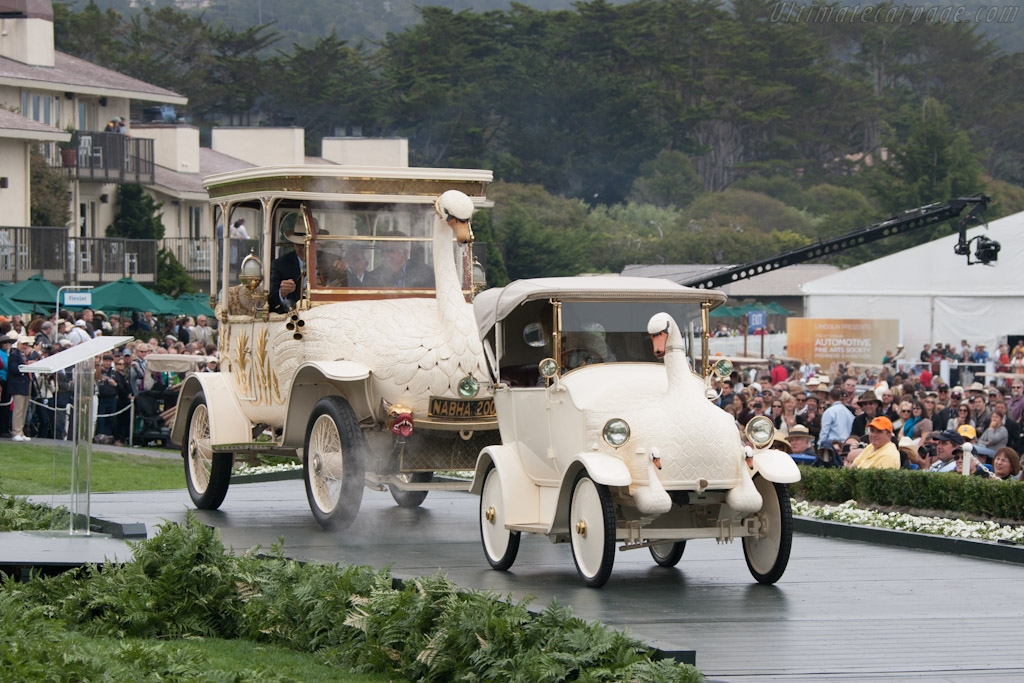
{"x": 410, "y": 499}
{"x": 592, "y": 530}
{"x": 500, "y": 545}
{"x": 333, "y": 466}
{"x": 767, "y": 555}
{"x": 668, "y": 554}
{"x": 206, "y": 473}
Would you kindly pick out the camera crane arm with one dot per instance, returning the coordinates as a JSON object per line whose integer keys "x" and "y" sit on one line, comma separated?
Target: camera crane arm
{"x": 987, "y": 250}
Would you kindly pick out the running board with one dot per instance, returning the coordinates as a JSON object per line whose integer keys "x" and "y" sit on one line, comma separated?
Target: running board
{"x": 268, "y": 447}
{"x": 436, "y": 485}
{"x": 528, "y": 528}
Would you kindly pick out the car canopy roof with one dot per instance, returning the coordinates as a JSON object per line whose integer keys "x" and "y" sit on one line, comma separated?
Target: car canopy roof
{"x": 495, "y": 304}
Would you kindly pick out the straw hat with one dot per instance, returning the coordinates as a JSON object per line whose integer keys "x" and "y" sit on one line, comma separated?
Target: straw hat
{"x": 908, "y": 444}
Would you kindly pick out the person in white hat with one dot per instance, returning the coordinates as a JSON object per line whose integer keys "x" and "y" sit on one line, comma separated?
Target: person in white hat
{"x": 79, "y": 333}
{"x": 19, "y": 384}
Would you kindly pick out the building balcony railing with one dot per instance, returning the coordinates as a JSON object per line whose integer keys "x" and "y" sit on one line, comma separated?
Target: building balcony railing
{"x": 61, "y": 259}
{"x": 109, "y": 158}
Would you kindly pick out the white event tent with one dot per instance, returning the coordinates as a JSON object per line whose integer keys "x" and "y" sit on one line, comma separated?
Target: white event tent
{"x": 932, "y": 291}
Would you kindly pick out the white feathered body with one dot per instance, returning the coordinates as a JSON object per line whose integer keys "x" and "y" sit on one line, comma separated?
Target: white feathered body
{"x": 414, "y": 347}
{"x": 666, "y": 409}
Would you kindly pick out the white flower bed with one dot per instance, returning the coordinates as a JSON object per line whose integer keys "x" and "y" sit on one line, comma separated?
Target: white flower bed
{"x": 849, "y": 513}
{"x": 245, "y": 470}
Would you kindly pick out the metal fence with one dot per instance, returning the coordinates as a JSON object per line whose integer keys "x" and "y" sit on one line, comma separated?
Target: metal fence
{"x": 194, "y": 254}
{"x": 30, "y": 251}
{"x": 109, "y": 158}
{"x": 63, "y": 260}
{"x": 105, "y": 259}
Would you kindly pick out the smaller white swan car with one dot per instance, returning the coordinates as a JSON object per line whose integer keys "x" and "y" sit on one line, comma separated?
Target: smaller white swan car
{"x": 608, "y": 433}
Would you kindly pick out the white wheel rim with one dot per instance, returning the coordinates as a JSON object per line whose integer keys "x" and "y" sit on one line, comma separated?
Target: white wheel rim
{"x": 200, "y": 454}
{"x": 325, "y": 463}
{"x": 492, "y": 518}
{"x": 763, "y": 551}
{"x": 663, "y": 550}
{"x": 586, "y": 525}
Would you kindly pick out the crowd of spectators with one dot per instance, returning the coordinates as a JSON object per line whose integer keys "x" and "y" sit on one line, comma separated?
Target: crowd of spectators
{"x": 36, "y": 404}
{"x": 881, "y": 417}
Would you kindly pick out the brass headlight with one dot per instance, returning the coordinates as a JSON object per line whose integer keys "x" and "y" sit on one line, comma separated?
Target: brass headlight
{"x": 615, "y": 432}
{"x": 760, "y": 431}
{"x": 723, "y": 368}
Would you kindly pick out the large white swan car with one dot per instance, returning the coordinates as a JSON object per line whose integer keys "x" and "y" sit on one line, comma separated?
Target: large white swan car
{"x": 350, "y": 340}
{"x": 608, "y": 434}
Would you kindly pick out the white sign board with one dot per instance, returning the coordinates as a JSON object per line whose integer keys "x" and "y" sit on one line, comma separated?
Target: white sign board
{"x": 77, "y": 298}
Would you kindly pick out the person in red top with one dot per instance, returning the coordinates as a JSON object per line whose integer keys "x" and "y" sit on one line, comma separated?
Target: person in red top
{"x": 926, "y": 377}
{"x": 779, "y": 374}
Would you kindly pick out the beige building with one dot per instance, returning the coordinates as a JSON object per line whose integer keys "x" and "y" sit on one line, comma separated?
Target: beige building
{"x": 64, "y": 92}
{"x": 65, "y": 103}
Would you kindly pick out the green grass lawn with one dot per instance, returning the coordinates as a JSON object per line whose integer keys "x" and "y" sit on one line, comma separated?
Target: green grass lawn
{"x": 28, "y": 470}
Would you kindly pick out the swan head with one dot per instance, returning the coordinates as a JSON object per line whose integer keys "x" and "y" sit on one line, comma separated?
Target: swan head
{"x": 455, "y": 209}
{"x": 656, "y": 458}
{"x": 659, "y": 327}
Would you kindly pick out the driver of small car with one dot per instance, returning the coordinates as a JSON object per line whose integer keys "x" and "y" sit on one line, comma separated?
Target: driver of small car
{"x": 586, "y": 347}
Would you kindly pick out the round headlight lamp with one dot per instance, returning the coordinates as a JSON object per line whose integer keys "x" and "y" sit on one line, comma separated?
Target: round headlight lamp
{"x": 723, "y": 368}
{"x": 468, "y": 387}
{"x": 615, "y": 432}
{"x": 760, "y": 431}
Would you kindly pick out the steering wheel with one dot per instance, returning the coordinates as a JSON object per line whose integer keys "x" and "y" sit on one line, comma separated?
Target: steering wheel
{"x": 585, "y": 357}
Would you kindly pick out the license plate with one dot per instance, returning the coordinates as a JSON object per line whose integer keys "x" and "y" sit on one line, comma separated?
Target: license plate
{"x": 461, "y": 409}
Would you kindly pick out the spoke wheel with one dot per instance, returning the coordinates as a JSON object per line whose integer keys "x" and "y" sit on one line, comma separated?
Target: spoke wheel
{"x": 410, "y": 499}
{"x": 206, "y": 473}
{"x": 768, "y": 554}
{"x": 500, "y": 545}
{"x": 333, "y": 463}
{"x": 668, "y": 554}
{"x": 592, "y": 530}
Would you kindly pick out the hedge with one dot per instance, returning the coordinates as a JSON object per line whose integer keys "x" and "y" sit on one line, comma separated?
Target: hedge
{"x": 925, "y": 490}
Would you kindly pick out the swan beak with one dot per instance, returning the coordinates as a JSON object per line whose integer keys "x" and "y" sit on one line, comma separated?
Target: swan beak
{"x": 660, "y": 341}
{"x": 462, "y": 229}
{"x": 657, "y": 462}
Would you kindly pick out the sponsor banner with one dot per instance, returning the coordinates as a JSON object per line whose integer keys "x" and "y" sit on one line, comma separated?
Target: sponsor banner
{"x": 827, "y": 341}
{"x": 77, "y": 298}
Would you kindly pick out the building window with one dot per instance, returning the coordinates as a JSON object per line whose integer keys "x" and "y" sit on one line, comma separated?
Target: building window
{"x": 195, "y": 222}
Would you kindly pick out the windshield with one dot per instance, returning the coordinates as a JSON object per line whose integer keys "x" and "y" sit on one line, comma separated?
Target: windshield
{"x": 370, "y": 246}
{"x": 616, "y": 332}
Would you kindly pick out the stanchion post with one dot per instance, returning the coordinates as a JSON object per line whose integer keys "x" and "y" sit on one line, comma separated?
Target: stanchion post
{"x": 81, "y": 450}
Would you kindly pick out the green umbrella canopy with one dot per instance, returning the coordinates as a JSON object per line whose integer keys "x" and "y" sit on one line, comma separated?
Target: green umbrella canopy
{"x": 775, "y": 308}
{"x": 34, "y": 290}
{"x": 128, "y": 295}
{"x": 725, "y": 312}
{"x": 8, "y": 307}
{"x": 194, "y": 304}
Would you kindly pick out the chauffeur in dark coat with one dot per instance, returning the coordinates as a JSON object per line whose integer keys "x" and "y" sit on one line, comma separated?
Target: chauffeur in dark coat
{"x": 286, "y": 270}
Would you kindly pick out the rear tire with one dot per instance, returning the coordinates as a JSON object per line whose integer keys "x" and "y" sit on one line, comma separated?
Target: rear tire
{"x": 411, "y": 499}
{"x": 207, "y": 474}
{"x": 333, "y": 466}
{"x": 668, "y": 554}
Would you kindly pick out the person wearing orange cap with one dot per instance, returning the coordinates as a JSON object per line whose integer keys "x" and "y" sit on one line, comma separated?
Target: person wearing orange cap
{"x": 881, "y": 453}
